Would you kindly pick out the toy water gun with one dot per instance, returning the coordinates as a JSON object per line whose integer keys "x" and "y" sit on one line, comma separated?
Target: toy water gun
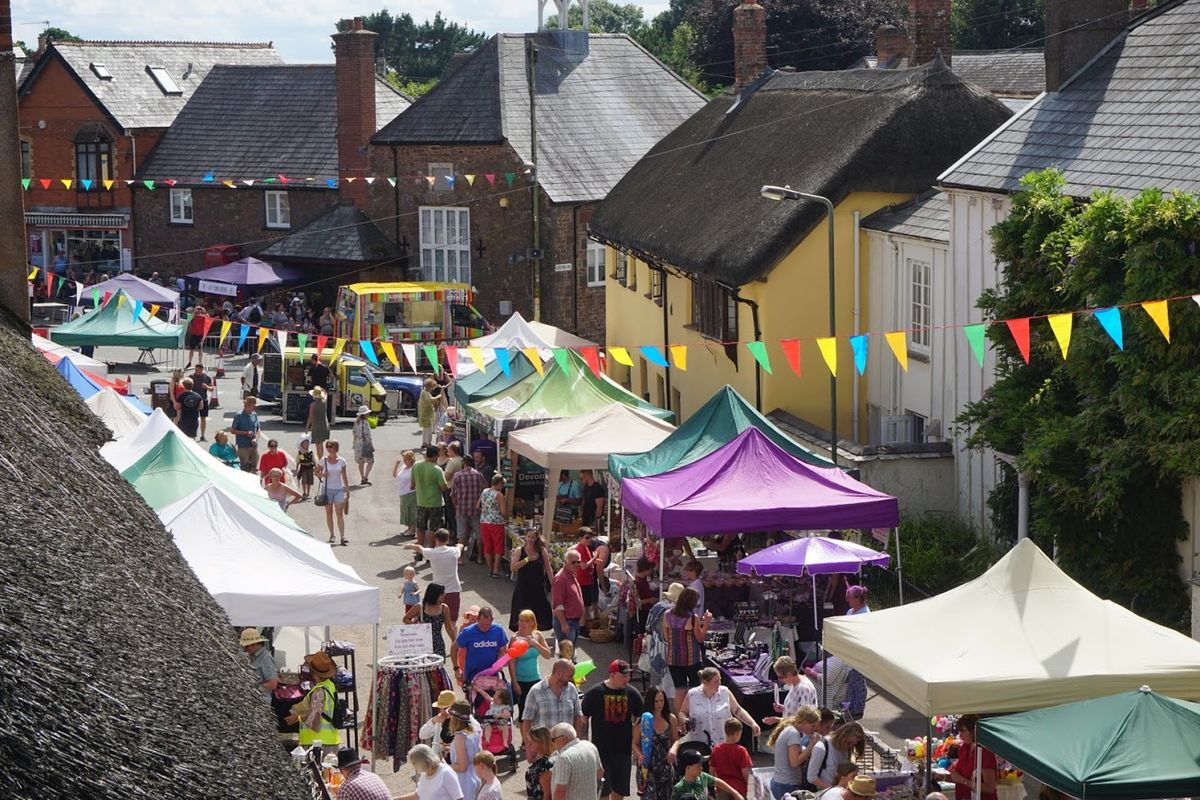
{"x": 647, "y": 743}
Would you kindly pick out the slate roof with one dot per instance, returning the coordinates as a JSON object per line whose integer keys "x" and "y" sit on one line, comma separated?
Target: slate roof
{"x": 599, "y": 108}
{"x": 24, "y": 65}
{"x": 1005, "y": 73}
{"x": 693, "y": 201}
{"x": 924, "y": 217}
{"x": 1126, "y": 122}
{"x": 343, "y": 234}
{"x": 255, "y": 122}
{"x": 132, "y": 97}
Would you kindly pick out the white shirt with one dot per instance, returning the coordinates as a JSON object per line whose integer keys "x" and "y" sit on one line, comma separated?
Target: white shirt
{"x": 802, "y": 694}
{"x": 490, "y": 791}
{"x": 443, "y": 785}
{"x": 443, "y": 564}
{"x": 404, "y": 481}
{"x": 709, "y": 714}
{"x": 335, "y": 473}
{"x": 248, "y": 376}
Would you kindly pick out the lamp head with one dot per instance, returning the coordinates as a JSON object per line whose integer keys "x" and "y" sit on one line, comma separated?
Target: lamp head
{"x": 775, "y": 192}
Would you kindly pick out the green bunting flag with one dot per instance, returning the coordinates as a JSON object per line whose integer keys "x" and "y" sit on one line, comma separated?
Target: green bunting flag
{"x": 759, "y": 351}
{"x": 562, "y": 359}
{"x": 25, "y": 183}
{"x": 148, "y": 184}
{"x": 95, "y": 298}
{"x": 302, "y": 339}
{"x": 510, "y": 177}
{"x": 431, "y": 353}
{"x": 975, "y": 337}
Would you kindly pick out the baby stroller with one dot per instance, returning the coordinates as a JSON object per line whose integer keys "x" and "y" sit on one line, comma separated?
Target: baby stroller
{"x": 498, "y": 731}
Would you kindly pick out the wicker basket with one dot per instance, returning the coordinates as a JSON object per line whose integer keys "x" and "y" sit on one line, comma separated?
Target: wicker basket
{"x": 602, "y": 635}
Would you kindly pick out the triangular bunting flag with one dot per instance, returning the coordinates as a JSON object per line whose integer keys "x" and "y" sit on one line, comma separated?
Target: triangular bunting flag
{"x": 87, "y": 184}
{"x": 243, "y": 332}
{"x": 562, "y": 359}
{"x": 95, "y": 298}
{"x": 107, "y": 297}
{"x": 368, "y": 351}
{"x": 791, "y": 353}
{"x": 759, "y": 351}
{"x": 491, "y": 178}
{"x": 208, "y": 177}
{"x": 592, "y": 356}
{"x": 1110, "y": 320}
{"x": 859, "y": 345}
{"x": 302, "y": 340}
{"x": 450, "y": 181}
{"x": 509, "y": 177}
{"x": 338, "y": 346}
{"x": 225, "y": 326}
{"x": 25, "y": 183}
{"x": 431, "y": 353}
{"x": 430, "y": 179}
{"x": 679, "y": 356}
{"x": 50, "y": 285}
{"x": 389, "y": 351}
{"x": 470, "y": 180}
{"x": 975, "y": 335}
{"x": 1061, "y": 325}
{"x": 282, "y": 336}
{"x": 331, "y": 183}
{"x": 410, "y": 353}
{"x": 452, "y": 359}
{"x": 67, "y": 182}
{"x": 120, "y": 300}
{"x": 148, "y": 184}
{"x": 654, "y": 354}
{"x": 392, "y": 181}
{"x": 137, "y": 309}
{"x": 370, "y": 181}
{"x": 898, "y": 342}
{"x": 283, "y": 179}
{"x": 249, "y": 182}
{"x": 78, "y": 293}
{"x": 476, "y": 355}
{"x": 502, "y": 358}
{"x": 230, "y": 184}
{"x": 263, "y": 333}
{"x": 321, "y": 340}
{"x": 1157, "y": 309}
{"x": 108, "y": 184}
{"x": 208, "y": 323}
{"x": 535, "y": 358}
{"x": 828, "y": 346}
{"x": 1019, "y": 328}
{"x": 45, "y": 182}
{"x": 58, "y": 284}
{"x": 130, "y": 181}
{"x": 620, "y": 355}
{"x": 351, "y": 179}
{"x": 32, "y": 274}
{"x": 171, "y": 182}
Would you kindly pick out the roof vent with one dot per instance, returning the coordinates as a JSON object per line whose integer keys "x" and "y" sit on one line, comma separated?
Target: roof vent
{"x": 101, "y": 71}
{"x": 187, "y": 73}
{"x": 164, "y": 80}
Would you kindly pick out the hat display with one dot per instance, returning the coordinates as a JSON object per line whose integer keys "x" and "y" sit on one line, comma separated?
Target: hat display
{"x": 321, "y": 665}
{"x": 861, "y": 786}
{"x": 619, "y": 666}
{"x": 250, "y": 636}
{"x": 445, "y": 699}
{"x": 673, "y": 592}
{"x": 689, "y": 757}
{"x": 363, "y": 411}
{"x": 348, "y": 757}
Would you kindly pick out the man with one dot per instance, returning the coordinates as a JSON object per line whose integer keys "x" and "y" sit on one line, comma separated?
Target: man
{"x": 479, "y": 458}
{"x": 261, "y": 660}
{"x": 318, "y": 373}
{"x": 252, "y": 313}
{"x": 245, "y": 430}
{"x": 443, "y": 560}
{"x": 553, "y": 700}
{"x": 577, "y": 767}
{"x": 801, "y": 693}
{"x": 429, "y": 482}
{"x": 252, "y": 376}
{"x": 613, "y": 706}
{"x": 589, "y": 560}
{"x": 566, "y": 599}
{"x": 357, "y": 784}
{"x": 189, "y": 403}
{"x": 201, "y": 383}
{"x": 485, "y": 444}
{"x": 449, "y": 436}
{"x": 483, "y": 644}
{"x": 465, "y": 488}
{"x": 592, "y": 504}
{"x": 570, "y": 490}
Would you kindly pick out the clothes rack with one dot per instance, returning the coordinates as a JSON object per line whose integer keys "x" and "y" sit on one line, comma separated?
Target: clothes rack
{"x": 402, "y": 696}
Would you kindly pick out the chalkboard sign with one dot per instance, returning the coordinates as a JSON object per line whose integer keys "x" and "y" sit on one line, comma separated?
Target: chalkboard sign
{"x": 296, "y": 409}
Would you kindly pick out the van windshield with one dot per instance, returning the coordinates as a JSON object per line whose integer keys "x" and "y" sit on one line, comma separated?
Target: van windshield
{"x": 463, "y": 315}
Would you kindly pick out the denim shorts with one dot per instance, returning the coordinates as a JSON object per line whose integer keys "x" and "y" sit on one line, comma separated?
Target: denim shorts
{"x": 336, "y": 495}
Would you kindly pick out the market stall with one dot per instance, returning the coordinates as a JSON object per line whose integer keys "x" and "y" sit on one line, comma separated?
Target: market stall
{"x": 240, "y": 279}
{"x": 121, "y": 322}
{"x": 519, "y": 334}
{"x": 54, "y": 352}
{"x": 135, "y": 288}
{"x": 87, "y": 384}
{"x": 116, "y": 412}
{"x": 478, "y": 385}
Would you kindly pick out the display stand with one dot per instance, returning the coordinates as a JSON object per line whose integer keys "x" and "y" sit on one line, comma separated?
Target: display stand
{"x": 407, "y": 663}
{"x": 350, "y": 728}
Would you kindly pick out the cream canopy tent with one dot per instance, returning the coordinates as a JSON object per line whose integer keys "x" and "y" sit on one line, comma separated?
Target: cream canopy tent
{"x": 1023, "y": 635}
{"x": 116, "y": 412}
{"x": 586, "y": 442}
{"x": 519, "y": 333}
{"x": 92, "y": 365}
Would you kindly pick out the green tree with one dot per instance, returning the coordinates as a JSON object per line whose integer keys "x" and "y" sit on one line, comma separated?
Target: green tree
{"x": 51, "y": 34}
{"x": 1107, "y": 434}
{"x": 998, "y": 24}
{"x": 604, "y": 17}
{"x": 419, "y": 53}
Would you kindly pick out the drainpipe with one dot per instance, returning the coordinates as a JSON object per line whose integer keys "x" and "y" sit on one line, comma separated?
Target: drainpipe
{"x": 757, "y": 337}
{"x": 575, "y": 267}
{"x": 666, "y": 341}
{"x": 396, "y": 198}
{"x": 1023, "y": 506}
{"x": 857, "y": 324}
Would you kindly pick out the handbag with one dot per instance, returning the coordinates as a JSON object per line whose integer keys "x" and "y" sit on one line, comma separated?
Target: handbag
{"x": 321, "y": 498}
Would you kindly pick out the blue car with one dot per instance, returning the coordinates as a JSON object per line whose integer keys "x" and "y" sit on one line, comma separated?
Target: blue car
{"x": 407, "y": 386}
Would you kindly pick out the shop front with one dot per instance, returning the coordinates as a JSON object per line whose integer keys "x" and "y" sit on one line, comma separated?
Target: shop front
{"x": 79, "y": 243}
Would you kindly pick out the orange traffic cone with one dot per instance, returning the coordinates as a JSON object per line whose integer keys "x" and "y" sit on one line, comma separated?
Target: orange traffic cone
{"x": 213, "y": 400}
{"x": 220, "y": 371}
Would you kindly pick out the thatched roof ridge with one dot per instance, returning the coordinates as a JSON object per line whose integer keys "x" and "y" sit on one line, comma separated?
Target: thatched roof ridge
{"x": 119, "y": 675}
{"x": 693, "y": 201}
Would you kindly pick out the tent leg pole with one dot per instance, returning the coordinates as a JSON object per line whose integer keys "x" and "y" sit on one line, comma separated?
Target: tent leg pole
{"x": 928, "y": 752}
{"x": 899, "y": 567}
{"x": 374, "y": 700}
{"x": 978, "y": 771}
{"x": 662, "y": 564}
{"x": 824, "y": 677}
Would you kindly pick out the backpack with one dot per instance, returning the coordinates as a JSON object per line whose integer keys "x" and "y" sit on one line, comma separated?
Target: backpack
{"x": 255, "y": 314}
{"x": 340, "y": 709}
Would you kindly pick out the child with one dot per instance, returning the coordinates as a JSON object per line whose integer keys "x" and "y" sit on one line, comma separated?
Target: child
{"x": 500, "y": 712}
{"x": 566, "y": 650}
{"x": 730, "y": 761}
{"x": 696, "y": 782}
{"x": 485, "y": 768}
{"x": 692, "y": 571}
{"x": 306, "y": 460}
{"x": 279, "y": 491}
{"x": 412, "y": 594}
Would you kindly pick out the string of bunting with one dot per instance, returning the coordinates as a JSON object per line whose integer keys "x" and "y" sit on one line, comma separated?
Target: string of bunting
{"x": 449, "y": 181}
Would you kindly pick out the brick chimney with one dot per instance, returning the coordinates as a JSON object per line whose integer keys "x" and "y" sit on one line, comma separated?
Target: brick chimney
{"x": 1076, "y": 30}
{"x": 14, "y": 267}
{"x": 929, "y": 21}
{"x": 749, "y": 43}
{"x": 890, "y": 42}
{"x": 354, "y": 54}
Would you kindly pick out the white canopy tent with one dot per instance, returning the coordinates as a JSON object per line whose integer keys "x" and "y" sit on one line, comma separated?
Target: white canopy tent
{"x": 117, "y": 413}
{"x": 261, "y": 572}
{"x": 586, "y": 442}
{"x": 518, "y": 333}
{"x": 92, "y": 365}
{"x": 1023, "y": 635}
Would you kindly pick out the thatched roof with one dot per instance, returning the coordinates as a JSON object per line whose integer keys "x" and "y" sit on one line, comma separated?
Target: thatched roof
{"x": 119, "y": 675}
{"x": 693, "y": 201}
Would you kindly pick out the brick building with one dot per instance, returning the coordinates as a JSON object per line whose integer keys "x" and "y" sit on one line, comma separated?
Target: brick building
{"x": 468, "y": 179}
{"x": 90, "y": 113}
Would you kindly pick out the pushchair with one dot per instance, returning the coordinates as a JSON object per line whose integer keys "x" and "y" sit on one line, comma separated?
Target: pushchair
{"x": 497, "y": 738}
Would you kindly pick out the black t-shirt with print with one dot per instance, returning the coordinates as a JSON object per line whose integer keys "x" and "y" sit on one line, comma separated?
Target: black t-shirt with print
{"x": 612, "y": 712}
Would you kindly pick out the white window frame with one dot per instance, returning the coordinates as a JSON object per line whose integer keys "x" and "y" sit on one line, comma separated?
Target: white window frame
{"x": 445, "y": 244}
{"x": 182, "y": 210}
{"x": 439, "y": 171}
{"x": 620, "y": 268}
{"x": 162, "y": 76}
{"x": 279, "y": 210}
{"x": 597, "y": 260}
{"x": 919, "y": 274}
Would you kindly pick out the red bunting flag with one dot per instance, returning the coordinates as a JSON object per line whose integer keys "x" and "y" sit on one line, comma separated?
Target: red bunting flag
{"x": 45, "y": 182}
{"x": 791, "y": 352}
{"x": 106, "y": 296}
{"x": 452, "y": 359}
{"x": 321, "y": 340}
{"x": 592, "y": 356}
{"x": 1019, "y": 328}
{"x": 491, "y": 178}
{"x": 208, "y": 323}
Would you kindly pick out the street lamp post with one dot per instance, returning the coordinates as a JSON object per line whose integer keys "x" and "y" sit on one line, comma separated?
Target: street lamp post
{"x": 788, "y": 193}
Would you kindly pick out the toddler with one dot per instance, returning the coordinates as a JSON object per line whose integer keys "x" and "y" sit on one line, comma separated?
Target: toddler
{"x": 412, "y": 595}
{"x": 500, "y": 712}
{"x": 306, "y": 460}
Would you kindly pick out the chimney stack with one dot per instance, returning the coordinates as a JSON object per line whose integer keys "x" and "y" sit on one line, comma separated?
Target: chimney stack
{"x": 749, "y": 43}
{"x": 891, "y": 43}
{"x": 354, "y": 54}
{"x": 929, "y": 21}
{"x": 14, "y": 265}
{"x": 1076, "y": 30}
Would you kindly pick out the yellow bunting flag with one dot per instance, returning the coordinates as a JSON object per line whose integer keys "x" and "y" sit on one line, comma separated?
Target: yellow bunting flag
{"x": 476, "y": 354}
{"x": 120, "y": 300}
{"x": 679, "y": 356}
{"x": 1061, "y": 325}
{"x": 108, "y": 184}
{"x": 337, "y": 350}
{"x": 620, "y": 355}
{"x": 225, "y": 326}
{"x": 828, "y": 347}
{"x": 1157, "y": 309}
{"x": 67, "y": 182}
{"x": 263, "y": 333}
{"x": 389, "y": 350}
{"x": 534, "y": 356}
{"x": 32, "y": 274}
{"x": 898, "y": 341}
{"x": 153, "y": 309}
{"x": 230, "y": 184}
{"x": 470, "y": 180}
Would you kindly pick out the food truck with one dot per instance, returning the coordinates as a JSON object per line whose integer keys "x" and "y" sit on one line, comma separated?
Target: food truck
{"x": 353, "y": 384}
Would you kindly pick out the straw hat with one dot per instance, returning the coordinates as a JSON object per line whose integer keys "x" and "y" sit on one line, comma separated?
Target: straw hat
{"x": 317, "y": 392}
{"x": 861, "y": 786}
{"x": 445, "y": 699}
{"x": 673, "y": 591}
{"x": 250, "y": 636}
{"x": 321, "y": 665}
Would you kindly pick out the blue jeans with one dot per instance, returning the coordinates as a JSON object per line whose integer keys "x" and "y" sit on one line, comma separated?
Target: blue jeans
{"x": 778, "y": 789}
{"x": 570, "y": 634}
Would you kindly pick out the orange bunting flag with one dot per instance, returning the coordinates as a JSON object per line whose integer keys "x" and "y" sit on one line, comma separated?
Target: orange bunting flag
{"x": 476, "y": 354}
{"x": 338, "y": 346}
{"x": 535, "y": 358}
{"x": 828, "y": 346}
{"x": 898, "y": 342}
{"x": 620, "y": 355}
{"x": 154, "y": 309}
{"x": 1061, "y": 325}
{"x": 679, "y": 356}
{"x": 389, "y": 350}
{"x": 225, "y": 326}
{"x": 263, "y": 333}
{"x": 592, "y": 356}
{"x": 791, "y": 353}
{"x": 1157, "y": 309}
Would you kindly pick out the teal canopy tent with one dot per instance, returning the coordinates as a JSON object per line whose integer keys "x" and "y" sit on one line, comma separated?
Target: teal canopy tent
{"x": 114, "y": 324}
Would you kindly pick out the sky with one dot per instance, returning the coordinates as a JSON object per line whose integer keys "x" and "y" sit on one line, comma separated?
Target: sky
{"x": 299, "y": 28}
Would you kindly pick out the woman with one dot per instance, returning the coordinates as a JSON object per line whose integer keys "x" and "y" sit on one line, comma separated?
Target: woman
{"x": 316, "y": 428}
{"x": 443, "y": 456}
{"x": 173, "y": 391}
{"x": 195, "y": 336}
{"x": 425, "y": 412}
{"x": 223, "y": 451}
{"x": 706, "y": 707}
{"x": 537, "y": 776}
{"x": 792, "y": 742}
{"x": 531, "y": 567}
{"x": 364, "y": 447}
{"x": 274, "y": 458}
{"x": 656, "y": 777}
{"x": 528, "y": 672}
{"x": 856, "y": 600}
{"x": 847, "y": 743}
{"x": 402, "y": 472}
{"x": 856, "y": 684}
{"x": 436, "y": 780}
{"x": 839, "y": 791}
{"x": 493, "y": 515}
{"x": 466, "y": 743}
{"x": 333, "y": 469}
{"x": 683, "y": 633}
{"x": 325, "y": 325}
{"x": 962, "y": 771}
{"x": 436, "y": 613}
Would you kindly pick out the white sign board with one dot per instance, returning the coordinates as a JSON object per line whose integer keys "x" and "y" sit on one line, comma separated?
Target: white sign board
{"x": 410, "y": 640}
{"x": 881, "y": 535}
{"x": 564, "y": 267}
{"x": 216, "y": 287}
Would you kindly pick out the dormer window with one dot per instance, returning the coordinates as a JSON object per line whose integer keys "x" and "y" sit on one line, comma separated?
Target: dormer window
{"x": 101, "y": 72}
{"x": 164, "y": 80}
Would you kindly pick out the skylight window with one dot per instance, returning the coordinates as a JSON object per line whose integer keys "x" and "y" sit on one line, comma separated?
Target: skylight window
{"x": 164, "y": 80}
{"x": 101, "y": 72}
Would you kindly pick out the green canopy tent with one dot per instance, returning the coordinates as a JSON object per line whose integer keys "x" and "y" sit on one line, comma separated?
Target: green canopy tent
{"x": 715, "y": 424}
{"x": 1122, "y": 747}
{"x": 481, "y": 384}
{"x": 557, "y": 395}
{"x": 114, "y": 324}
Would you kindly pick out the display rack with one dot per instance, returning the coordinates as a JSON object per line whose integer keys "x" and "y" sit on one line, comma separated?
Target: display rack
{"x": 346, "y": 654}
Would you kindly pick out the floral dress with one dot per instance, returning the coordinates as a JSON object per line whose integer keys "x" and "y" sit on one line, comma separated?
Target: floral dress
{"x": 657, "y": 782}
{"x": 533, "y": 777}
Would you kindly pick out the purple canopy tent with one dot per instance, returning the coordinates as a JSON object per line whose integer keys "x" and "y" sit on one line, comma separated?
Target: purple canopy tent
{"x": 246, "y": 274}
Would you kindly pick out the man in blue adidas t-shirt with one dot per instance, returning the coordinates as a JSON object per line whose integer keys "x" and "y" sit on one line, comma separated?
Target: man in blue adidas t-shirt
{"x": 482, "y": 642}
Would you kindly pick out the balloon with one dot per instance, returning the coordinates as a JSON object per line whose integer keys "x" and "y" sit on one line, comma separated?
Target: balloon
{"x": 583, "y": 669}
{"x": 518, "y": 648}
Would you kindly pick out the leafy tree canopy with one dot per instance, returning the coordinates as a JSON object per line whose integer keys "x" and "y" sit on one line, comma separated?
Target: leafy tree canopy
{"x": 419, "y": 53}
{"x": 998, "y": 24}
{"x": 51, "y": 34}
{"x": 1107, "y": 435}
{"x": 604, "y": 17}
